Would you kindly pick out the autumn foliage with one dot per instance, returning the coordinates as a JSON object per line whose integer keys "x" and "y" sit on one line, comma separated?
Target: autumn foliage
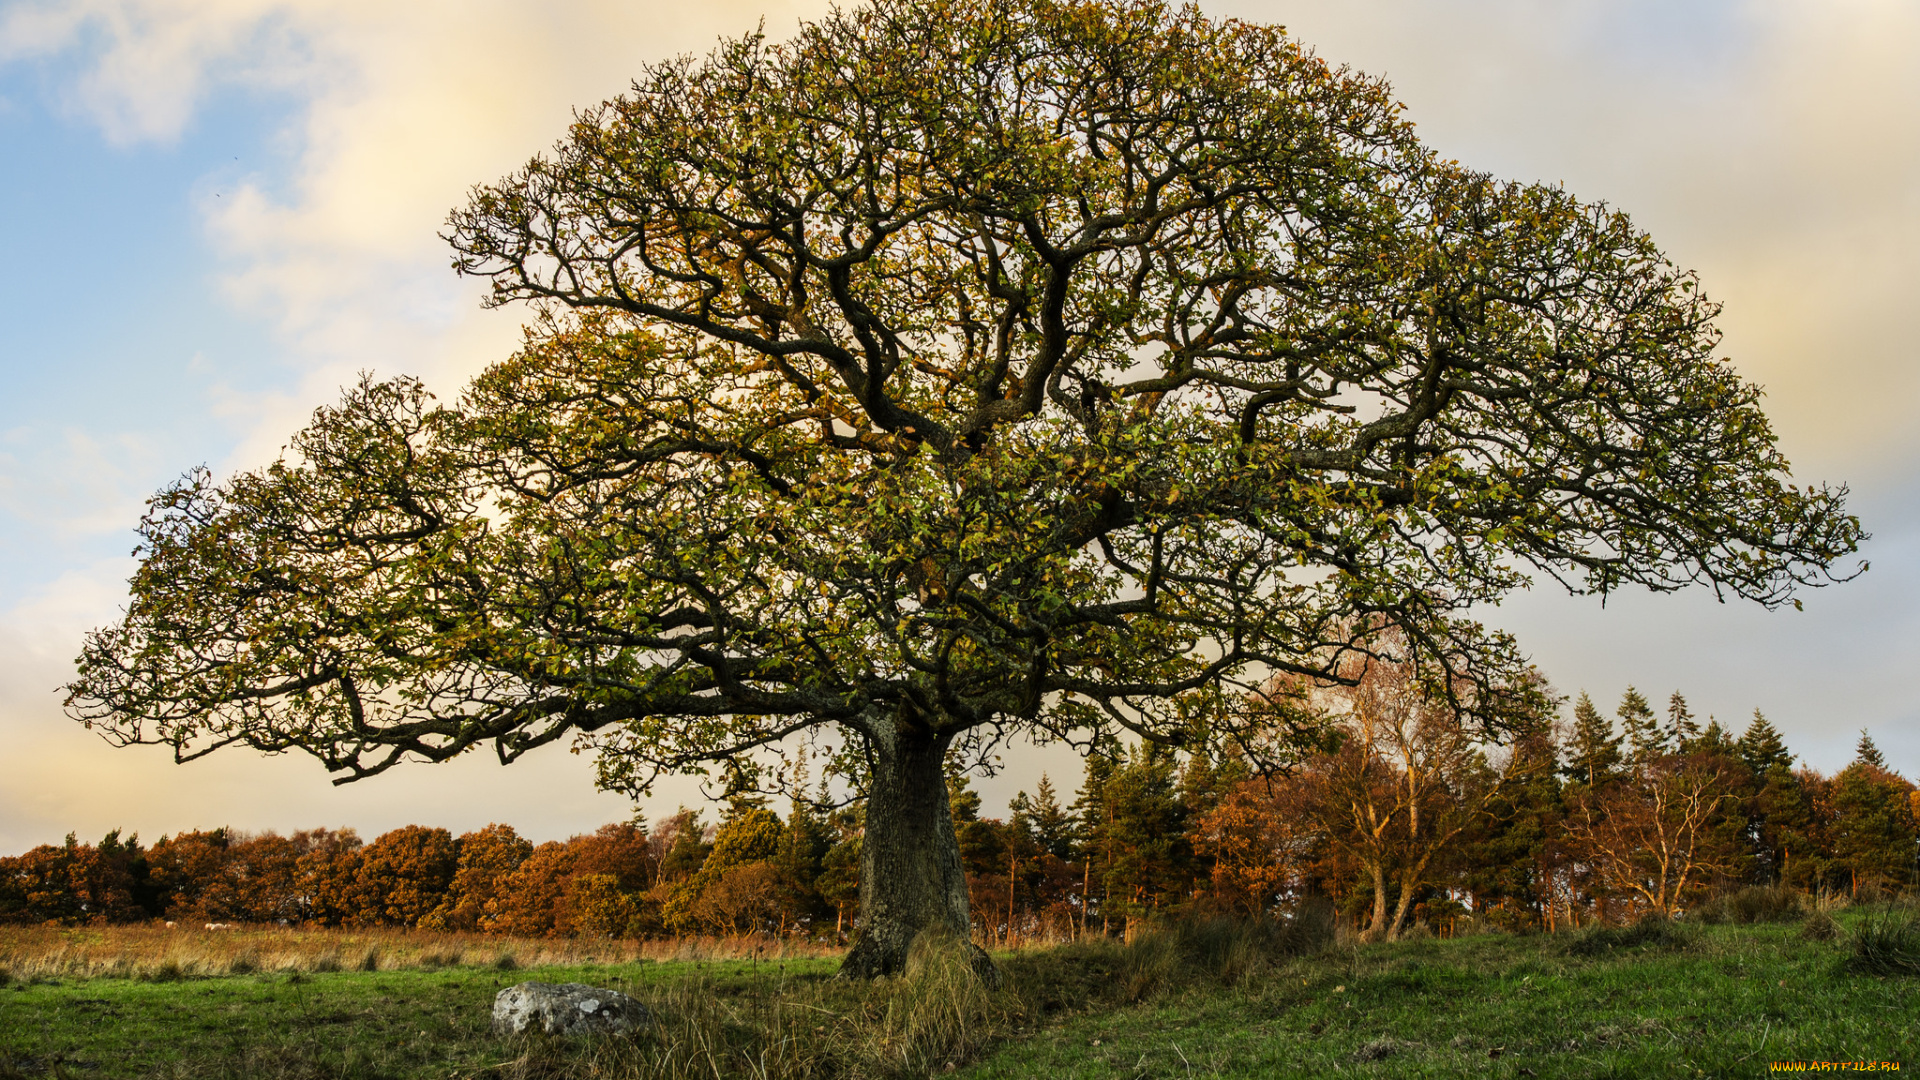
{"x": 1399, "y": 822}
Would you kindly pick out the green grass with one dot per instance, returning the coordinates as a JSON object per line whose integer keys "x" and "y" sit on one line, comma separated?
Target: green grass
{"x": 1717, "y": 1000}
{"x": 348, "y": 1024}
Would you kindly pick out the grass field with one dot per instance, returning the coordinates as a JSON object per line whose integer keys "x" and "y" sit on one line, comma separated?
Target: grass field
{"x": 165, "y": 953}
{"x": 1687, "y": 1001}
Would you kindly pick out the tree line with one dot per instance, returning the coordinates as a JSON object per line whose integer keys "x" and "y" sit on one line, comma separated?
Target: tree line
{"x": 1399, "y": 818}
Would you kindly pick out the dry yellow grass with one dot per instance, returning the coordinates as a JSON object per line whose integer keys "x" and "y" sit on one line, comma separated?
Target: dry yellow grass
{"x": 162, "y": 952}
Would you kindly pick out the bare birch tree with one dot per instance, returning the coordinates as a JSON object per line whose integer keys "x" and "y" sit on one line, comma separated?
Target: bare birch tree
{"x": 1652, "y": 835}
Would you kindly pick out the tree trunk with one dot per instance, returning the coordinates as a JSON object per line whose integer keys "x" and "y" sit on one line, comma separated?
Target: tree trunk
{"x": 1409, "y": 884}
{"x": 1401, "y": 908}
{"x": 1377, "y": 926}
{"x": 911, "y": 878}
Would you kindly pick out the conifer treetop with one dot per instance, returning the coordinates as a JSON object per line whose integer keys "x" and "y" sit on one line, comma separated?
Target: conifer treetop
{"x": 1867, "y": 753}
{"x": 1593, "y": 749}
{"x": 1638, "y": 725}
{"x": 1762, "y": 748}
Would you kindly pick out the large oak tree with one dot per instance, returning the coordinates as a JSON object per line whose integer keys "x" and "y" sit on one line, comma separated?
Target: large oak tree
{"x": 956, "y": 369}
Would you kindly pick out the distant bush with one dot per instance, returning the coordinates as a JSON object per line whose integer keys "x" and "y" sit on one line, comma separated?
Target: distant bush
{"x": 1753, "y": 904}
{"x": 1222, "y": 950}
{"x": 1650, "y": 932}
{"x": 1515, "y": 922}
{"x": 165, "y": 971}
{"x": 1819, "y": 926}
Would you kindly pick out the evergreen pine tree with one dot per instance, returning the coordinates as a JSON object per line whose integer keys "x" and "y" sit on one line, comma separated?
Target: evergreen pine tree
{"x": 1151, "y": 854}
{"x": 1090, "y": 802}
{"x": 1872, "y": 829}
{"x": 1020, "y": 813}
{"x": 1866, "y": 753}
{"x": 1762, "y": 748}
{"x": 1043, "y": 820}
{"x": 804, "y": 843}
{"x": 1593, "y": 751}
{"x": 1199, "y": 785}
{"x": 1732, "y": 828}
{"x": 1506, "y": 856}
{"x": 839, "y": 881}
{"x": 1639, "y": 727}
{"x": 1714, "y": 740}
{"x": 1682, "y": 729}
{"x": 1789, "y": 831}
{"x": 1093, "y": 839}
{"x": 690, "y": 847}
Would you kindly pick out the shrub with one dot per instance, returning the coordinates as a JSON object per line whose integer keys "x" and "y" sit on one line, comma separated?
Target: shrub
{"x": 1222, "y": 950}
{"x": 165, "y": 971}
{"x": 1819, "y": 926}
{"x": 1753, "y": 904}
{"x": 1517, "y": 921}
{"x": 1650, "y": 932}
{"x": 1887, "y": 943}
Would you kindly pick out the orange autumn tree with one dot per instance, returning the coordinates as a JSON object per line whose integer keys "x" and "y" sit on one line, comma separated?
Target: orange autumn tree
{"x": 595, "y": 884}
{"x": 1654, "y": 834}
{"x": 190, "y": 871}
{"x": 1258, "y": 848}
{"x": 404, "y": 876}
{"x": 529, "y": 902}
{"x": 487, "y": 858}
{"x": 1410, "y": 773}
{"x": 268, "y": 872}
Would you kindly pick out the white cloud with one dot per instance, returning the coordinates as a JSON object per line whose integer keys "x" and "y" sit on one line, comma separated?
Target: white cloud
{"x": 157, "y": 59}
{"x": 399, "y": 109}
{"x": 1774, "y": 145}
{"x": 70, "y": 482}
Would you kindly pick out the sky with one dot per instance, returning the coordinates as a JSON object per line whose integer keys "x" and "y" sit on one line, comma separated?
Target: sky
{"x": 218, "y": 212}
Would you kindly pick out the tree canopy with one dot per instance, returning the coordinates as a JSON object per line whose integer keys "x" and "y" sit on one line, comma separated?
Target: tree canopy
{"x": 958, "y": 369}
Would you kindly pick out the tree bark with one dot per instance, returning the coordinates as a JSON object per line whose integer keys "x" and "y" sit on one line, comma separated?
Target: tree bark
{"x": 1402, "y": 906}
{"x": 1377, "y": 927}
{"x": 912, "y": 881}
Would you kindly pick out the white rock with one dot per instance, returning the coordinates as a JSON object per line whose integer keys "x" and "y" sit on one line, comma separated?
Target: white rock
{"x": 566, "y": 1009}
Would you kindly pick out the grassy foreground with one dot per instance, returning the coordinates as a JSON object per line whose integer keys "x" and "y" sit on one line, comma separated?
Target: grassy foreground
{"x": 1718, "y": 1001}
{"x": 1200, "y": 1002}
